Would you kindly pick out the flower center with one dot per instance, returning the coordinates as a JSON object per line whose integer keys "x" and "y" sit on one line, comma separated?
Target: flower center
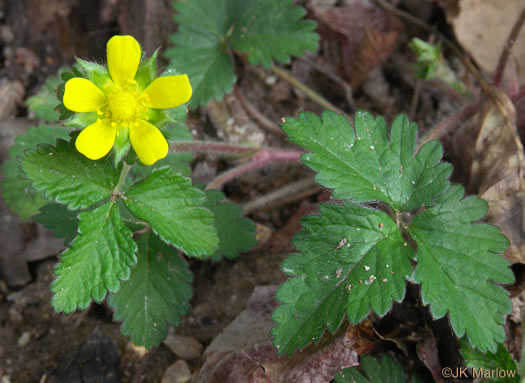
{"x": 125, "y": 105}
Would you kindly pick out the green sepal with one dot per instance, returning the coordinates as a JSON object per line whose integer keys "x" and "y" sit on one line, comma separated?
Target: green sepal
{"x": 16, "y": 188}
{"x": 236, "y": 233}
{"x": 97, "y": 261}
{"x": 64, "y": 113}
{"x": 81, "y": 120}
{"x": 96, "y": 73}
{"x": 69, "y": 177}
{"x": 147, "y": 71}
{"x": 66, "y": 76}
{"x": 174, "y": 209}
{"x": 156, "y": 294}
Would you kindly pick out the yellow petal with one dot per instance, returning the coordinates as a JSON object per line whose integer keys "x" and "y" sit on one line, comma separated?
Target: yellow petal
{"x": 123, "y": 59}
{"x": 96, "y": 140}
{"x": 81, "y": 95}
{"x": 169, "y": 91}
{"x": 148, "y": 142}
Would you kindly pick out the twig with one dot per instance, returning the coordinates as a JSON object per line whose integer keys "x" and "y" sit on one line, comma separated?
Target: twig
{"x": 335, "y": 78}
{"x": 261, "y": 158}
{"x": 505, "y": 54}
{"x": 263, "y": 121}
{"x": 139, "y": 371}
{"x": 288, "y": 193}
{"x": 309, "y": 92}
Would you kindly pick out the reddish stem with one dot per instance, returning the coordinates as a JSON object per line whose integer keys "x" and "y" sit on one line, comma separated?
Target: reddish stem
{"x": 261, "y": 158}
{"x": 212, "y": 146}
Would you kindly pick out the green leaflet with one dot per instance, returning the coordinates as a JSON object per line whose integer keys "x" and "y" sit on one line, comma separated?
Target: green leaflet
{"x": 67, "y": 176}
{"x": 99, "y": 258}
{"x": 236, "y": 233}
{"x": 264, "y": 30}
{"x": 364, "y": 165}
{"x": 63, "y": 222}
{"x": 382, "y": 370}
{"x": 458, "y": 261}
{"x": 490, "y": 361}
{"x": 16, "y": 189}
{"x": 157, "y": 293}
{"x": 352, "y": 259}
{"x": 173, "y": 208}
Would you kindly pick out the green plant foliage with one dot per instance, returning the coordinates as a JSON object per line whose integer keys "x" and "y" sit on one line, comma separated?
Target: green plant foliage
{"x": 428, "y": 58}
{"x": 16, "y": 189}
{"x": 381, "y": 370}
{"x": 490, "y": 361}
{"x": 353, "y": 258}
{"x": 236, "y": 233}
{"x": 156, "y": 294}
{"x": 264, "y": 30}
{"x": 457, "y": 260}
{"x": 173, "y": 208}
{"x": 45, "y": 101}
{"x": 99, "y": 258}
{"x": 67, "y": 176}
{"x": 58, "y": 218}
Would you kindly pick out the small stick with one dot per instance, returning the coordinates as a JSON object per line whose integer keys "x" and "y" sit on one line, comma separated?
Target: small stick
{"x": 309, "y": 92}
{"x": 263, "y": 121}
{"x": 505, "y": 54}
{"x": 286, "y": 194}
{"x": 262, "y": 157}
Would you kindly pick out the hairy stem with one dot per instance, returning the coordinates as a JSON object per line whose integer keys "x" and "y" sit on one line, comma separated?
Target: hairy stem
{"x": 212, "y": 146}
{"x": 259, "y": 159}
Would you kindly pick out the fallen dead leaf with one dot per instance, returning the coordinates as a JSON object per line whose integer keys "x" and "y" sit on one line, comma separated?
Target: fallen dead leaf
{"x": 243, "y": 352}
{"x": 482, "y": 27}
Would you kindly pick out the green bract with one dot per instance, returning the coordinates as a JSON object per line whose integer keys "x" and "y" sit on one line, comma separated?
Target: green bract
{"x": 353, "y": 258}
{"x": 264, "y": 30}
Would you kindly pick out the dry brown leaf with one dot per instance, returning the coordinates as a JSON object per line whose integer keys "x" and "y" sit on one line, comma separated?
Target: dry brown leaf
{"x": 482, "y": 27}
{"x": 243, "y": 352}
{"x": 496, "y": 171}
{"x": 427, "y": 352}
{"x": 357, "y": 37}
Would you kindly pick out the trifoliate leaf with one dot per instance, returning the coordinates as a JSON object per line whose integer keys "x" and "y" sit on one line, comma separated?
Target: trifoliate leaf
{"x": 236, "y": 233}
{"x": 457, "y": 261}
{"x": 69, "y": 177}
{"x": 364, "y": 165}
{"x": 265, "y": 30}
{"x": 43, "y": 103}
{"x": 157, "y": 293}
{"x": 99, "y": 258}
{"x": 382, "y": 370}
{"x": 457, "y": 265}
{"x": 489, "y": 362}
{"x": 16, "y": 189}
{"x": 174, "y": 209}
{"x": 58, "y": 218}
{"x": 351, "y": 259}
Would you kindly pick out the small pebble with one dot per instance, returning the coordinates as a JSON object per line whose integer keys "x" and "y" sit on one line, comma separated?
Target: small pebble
{"x": 178, "y": 372}
{"x": 185, "y": 347}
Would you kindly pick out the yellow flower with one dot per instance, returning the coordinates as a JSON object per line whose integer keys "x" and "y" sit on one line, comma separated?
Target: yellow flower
{"x": 122, "y": 106}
